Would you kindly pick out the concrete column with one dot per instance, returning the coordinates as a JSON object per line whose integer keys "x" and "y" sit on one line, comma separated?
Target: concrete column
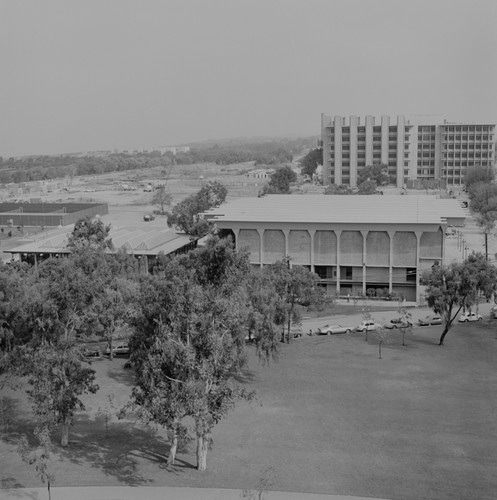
{"x": 418, "y": 246}
{"x": 385, "y": 123}
{"x": 286, "y": 232}
{"x": 364, "y": 267}
{"x": 354, "y": 121}
{"x": 312, "y": 232}
{"x": 145, "y": 263}
{"x": 236, "y": 231}
{"x": 338, "y": 149}
{"x": 326, "y": 139}
{"x": 413, "y": 139}
{"x": 391, "y": 235}
{"x": 400, "y": 150}
{"x": 261, "y": 246}
{"x": 369, "y": 139}
{"x": 438, "y": 152}
{"x": 338, "y": 234}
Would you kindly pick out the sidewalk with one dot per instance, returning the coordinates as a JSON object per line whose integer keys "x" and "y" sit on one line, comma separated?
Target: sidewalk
{"x": 393, "y": 304}
{"x": 160, "y": 493}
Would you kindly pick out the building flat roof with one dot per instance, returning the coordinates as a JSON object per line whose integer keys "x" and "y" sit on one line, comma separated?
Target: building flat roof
{"x": 341, "y": 209}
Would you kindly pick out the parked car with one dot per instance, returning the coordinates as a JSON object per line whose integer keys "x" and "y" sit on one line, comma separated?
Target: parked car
{"x": 332, "y": 329}
{"x": 430, "y": 320}
{"x": 148, "y": 217}
{"x": 368, "y": 326}
{"x": 398, "y": 323}
{"x": 91, "y": 353}
{"x": 469, "y": 316}
{"x": 121, "y": 349}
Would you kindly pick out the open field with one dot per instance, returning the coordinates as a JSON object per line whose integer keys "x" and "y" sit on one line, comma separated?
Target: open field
{"x": 330, "y": 417}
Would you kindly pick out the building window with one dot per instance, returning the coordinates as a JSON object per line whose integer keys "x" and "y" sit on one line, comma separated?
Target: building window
{"x": 345, "y": 272}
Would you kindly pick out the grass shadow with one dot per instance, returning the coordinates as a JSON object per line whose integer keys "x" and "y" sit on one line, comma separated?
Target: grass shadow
{"x": 118, "y": 450}
{"x": 246, "y": 377}
{"x": 120, "y": 374}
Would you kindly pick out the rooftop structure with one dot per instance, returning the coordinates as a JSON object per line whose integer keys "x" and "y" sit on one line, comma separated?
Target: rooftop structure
{"x": 141, "y": 242}
{"x": 346, "y": 209}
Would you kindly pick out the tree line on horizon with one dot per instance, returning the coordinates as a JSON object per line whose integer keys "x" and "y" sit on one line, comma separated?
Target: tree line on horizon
{"x": 36, "y": 168}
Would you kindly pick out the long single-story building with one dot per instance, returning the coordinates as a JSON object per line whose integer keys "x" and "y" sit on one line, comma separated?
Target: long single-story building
{"x": 144, "y": 243}
{"x": 354, "y": 243}
{"x": 48, "y": 214}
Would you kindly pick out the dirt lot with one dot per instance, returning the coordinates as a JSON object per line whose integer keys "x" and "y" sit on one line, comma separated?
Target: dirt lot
{"x": 127, "y": 207}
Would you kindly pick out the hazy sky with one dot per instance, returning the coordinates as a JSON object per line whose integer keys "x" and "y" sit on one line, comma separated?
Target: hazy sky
{"x": 79, "y": 75}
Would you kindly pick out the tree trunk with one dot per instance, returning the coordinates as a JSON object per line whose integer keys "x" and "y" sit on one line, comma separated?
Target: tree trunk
{"x": 65, "y": 432}
{"x": 289, "y": 320}
{"x": 174, "y": 447}
{"x": 444, "y": 333}
{"x": 202, "y": 447}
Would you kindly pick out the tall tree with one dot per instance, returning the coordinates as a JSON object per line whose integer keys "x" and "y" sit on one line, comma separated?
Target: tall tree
{"x": 457, "y": 285}
{"x": 57, "y": 379}
{"x": 377, "y": 172}
{"x": 187, "y": 215}
{"x": 483, "y": 203}
{"x": 311, "y": 160}
{"x": 90, "y": 232}
{"x": 478, "y": 174}
{"x": 189, "y": 342}
{"x": 295, "y": 286}
{"x": 280, "y": 181}
{"x": 161, "y": 198}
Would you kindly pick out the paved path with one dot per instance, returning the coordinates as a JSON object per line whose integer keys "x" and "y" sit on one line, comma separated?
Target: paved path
{"x": 159, "y": 493}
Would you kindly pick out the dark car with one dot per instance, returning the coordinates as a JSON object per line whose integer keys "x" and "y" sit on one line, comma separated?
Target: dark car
{"x": 148, "y": 217}
{"x": 430, "y": 320}
{"x": 91, "y": 353}
{"x": 398, "y": 323}
{"x": 333, "y": 329}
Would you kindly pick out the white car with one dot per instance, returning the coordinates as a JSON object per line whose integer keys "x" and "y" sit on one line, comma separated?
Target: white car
{"x": 469, "y": 316}
{"x": 121, "y": 349}
{"x": 368, "y": 326}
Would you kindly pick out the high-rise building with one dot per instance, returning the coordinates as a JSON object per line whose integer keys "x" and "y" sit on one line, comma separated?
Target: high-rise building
{"x": 413, "y": 149}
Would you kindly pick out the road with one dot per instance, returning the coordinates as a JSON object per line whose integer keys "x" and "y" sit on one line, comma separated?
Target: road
{"x": 383, "y": 317}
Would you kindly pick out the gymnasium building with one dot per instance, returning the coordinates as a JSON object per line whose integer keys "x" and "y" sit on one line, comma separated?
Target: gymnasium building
{"x": 353, "y": 243}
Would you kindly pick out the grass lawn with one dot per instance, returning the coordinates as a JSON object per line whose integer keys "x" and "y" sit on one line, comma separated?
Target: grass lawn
{"x": 330, "y": 417}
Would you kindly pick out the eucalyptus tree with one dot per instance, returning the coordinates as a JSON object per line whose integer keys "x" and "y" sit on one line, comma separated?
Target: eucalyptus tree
{"x": 188, "y": 345}
{"x": 295, "y": 287}
{"x": 450, "y": 289}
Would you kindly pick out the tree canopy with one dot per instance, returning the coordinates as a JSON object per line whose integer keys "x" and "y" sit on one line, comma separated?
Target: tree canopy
{"x": 478, "y": 174}
{"x": 280, "y": 181}
{"x": 377, "y": 172}
{"x": 311, "y": 161}
{"x": 161, "y": 198}
{"x": 186, "y": 215}
{"x": 90, "y": 232}
{"x": 458, "y": 285}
